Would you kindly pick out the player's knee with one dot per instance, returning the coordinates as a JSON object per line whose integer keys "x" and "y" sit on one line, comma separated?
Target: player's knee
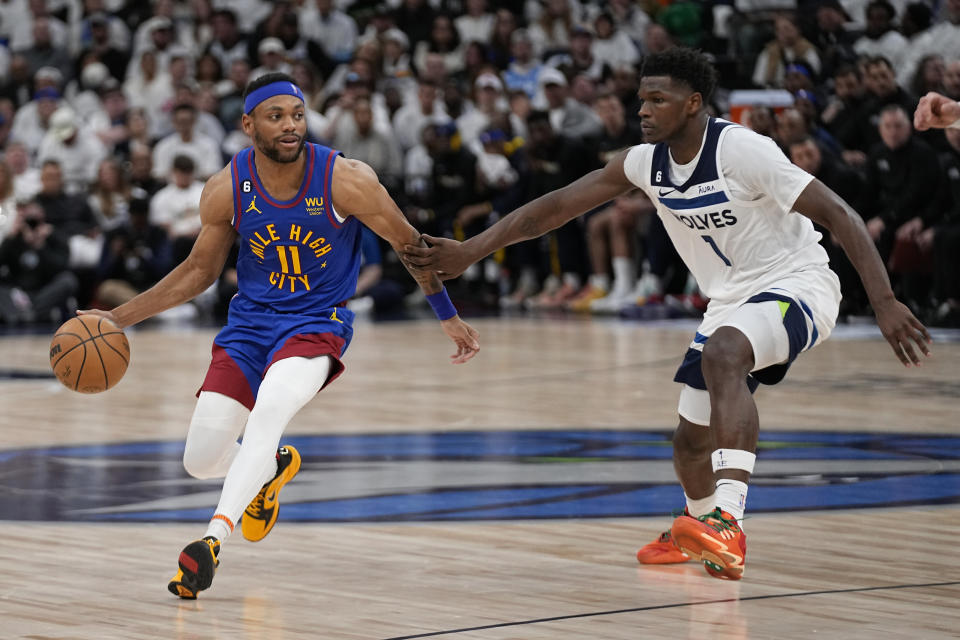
{"x": 726, "y": 354}
{"x": 198, "y": 462}
{"x": 691, "y": 441}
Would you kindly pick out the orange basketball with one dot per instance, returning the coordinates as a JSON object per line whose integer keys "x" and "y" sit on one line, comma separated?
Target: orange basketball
{"x": 89, "y": 354}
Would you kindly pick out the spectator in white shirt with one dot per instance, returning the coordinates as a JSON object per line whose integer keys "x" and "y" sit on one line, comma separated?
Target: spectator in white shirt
{"x": 176, "y": 207}
{"x": 75, "y": 147}
{"x": 32, "y": 119}
{"x": 410, "y": 120}
{"x": 272, "y": 55}
{"x": 880, "y": 37}
{"x": 26, "y": 179}
{"x": 476, "y": 24}
{"x": 943, "y": 39}
{"x": 611, "y": 45}
{"x": 228, "y": 44}
{"x": 333, "y": 30}
{"x": 203, "y": 150}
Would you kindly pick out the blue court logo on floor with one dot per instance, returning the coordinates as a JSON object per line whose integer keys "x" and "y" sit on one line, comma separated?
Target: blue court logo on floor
{"x": 490, "y": 475}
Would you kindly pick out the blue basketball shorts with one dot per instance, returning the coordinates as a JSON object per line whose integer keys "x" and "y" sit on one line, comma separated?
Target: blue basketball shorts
{"x": 255, "y": 337}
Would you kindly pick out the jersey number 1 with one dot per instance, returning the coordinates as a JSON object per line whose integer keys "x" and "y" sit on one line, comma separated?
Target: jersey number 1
{"x": 716, "y": 250}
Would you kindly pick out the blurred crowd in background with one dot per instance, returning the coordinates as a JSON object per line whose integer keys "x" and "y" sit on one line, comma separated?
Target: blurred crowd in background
{"x": 114, "y": 112}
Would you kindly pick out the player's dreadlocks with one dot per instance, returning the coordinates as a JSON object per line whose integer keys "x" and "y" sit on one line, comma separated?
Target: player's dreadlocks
{"x": 683, "y": 65}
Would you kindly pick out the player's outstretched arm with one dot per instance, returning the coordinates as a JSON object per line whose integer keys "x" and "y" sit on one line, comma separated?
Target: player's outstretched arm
{"x": 450, "y": 258}
{"x": 936, "y": 112}
{"x": 199, "y": 270}
{"x": 899, "y": 326}
{"x": 357, "y": 191}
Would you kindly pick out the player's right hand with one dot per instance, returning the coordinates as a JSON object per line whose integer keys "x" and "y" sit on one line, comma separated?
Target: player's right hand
{"x": 443, "y": 256}
{"x": 902, "y": 330}
{"x": 464, "y": 336}
{"x": 935, "y": 111}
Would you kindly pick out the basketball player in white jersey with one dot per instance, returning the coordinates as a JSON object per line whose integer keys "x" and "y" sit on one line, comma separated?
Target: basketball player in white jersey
{"x": 739, "y": 213}
{"x": 936, "y": 112}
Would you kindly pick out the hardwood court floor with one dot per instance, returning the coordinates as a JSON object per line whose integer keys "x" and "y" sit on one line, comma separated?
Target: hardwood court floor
{"x": 863, "y": 573}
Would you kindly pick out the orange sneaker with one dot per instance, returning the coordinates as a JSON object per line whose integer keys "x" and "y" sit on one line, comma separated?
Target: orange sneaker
{"x": 661, "y": 551}
{"x": 716, "y": 540}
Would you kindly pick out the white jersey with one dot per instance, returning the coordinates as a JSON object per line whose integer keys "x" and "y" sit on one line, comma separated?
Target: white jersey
{"x": 729, "y": 213}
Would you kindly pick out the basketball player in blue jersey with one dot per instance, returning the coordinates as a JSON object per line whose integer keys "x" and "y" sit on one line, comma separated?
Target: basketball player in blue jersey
{"x": 739, "y": 213}
{"x": 297, "y": 209}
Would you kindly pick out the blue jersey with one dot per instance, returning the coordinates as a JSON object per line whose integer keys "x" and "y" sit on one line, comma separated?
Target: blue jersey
{"x": 296, "y": 256}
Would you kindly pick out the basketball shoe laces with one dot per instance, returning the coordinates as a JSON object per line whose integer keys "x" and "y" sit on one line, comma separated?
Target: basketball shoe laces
{"x": 716, "y": 521}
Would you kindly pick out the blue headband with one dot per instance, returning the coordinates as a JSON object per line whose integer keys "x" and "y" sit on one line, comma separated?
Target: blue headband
{"x": 279, "y": 88}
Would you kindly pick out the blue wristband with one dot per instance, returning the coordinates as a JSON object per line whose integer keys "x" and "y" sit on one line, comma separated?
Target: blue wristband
{"x": 441, "y": 304}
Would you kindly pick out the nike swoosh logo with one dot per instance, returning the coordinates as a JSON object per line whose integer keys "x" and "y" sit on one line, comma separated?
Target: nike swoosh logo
{"x": 663, "y": 193}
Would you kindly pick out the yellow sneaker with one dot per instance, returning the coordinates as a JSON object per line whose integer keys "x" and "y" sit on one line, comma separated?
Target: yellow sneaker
{"x": 261, "y": 514}
{"x": 197, "y": 564}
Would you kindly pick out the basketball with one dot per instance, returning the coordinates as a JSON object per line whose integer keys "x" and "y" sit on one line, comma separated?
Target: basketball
{"x": 89, "y": 354}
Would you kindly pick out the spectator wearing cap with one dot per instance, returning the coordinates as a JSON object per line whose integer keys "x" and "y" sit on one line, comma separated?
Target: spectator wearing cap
{"x": 444, "y": 41}
{"x": 476, "y": 24}
{"x": 787, "y": 46}
{"x": 524, "y": 69}
{"x": 272, "y": 57}
{"x": 75, "y": 147}
{"x": 410, "y": 120}
{"x": 490, "y": 110}
{"x": 187, "y": 141}
{"x": 881, "y": 38}
{"x": 395, "y": 60}
{"x": 355, "y": 87}
{"x": 332, "y": 29}
{"x": 612, "y": 45}
{"x": 26, "y": 177}
{"x": 567, "y": 116}
{"x": 580, "y": 58}
{"x": 32, "y": 120}
{"x": 942, "y": 38}
{"x": 176, "y": 207}
{"x": 84, "y": 93}
{"x": 227, "y": 44}
{"x": 359, "y": 139}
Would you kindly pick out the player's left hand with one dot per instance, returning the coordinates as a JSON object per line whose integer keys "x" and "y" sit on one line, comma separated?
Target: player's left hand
{"x": 902, "y": 330}
{"x": 464, "y": 336}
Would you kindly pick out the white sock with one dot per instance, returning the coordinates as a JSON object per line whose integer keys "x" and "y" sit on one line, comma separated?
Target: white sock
{"x": 732, "y": 497}
{"x": 701, "y": 506}
{"x": 624, "y": 274}
{"x": 289, "y": 384}
{"x": 572, "y": 280}
{"x": 600, "y": 281}
{"x": 219, "y": 529}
